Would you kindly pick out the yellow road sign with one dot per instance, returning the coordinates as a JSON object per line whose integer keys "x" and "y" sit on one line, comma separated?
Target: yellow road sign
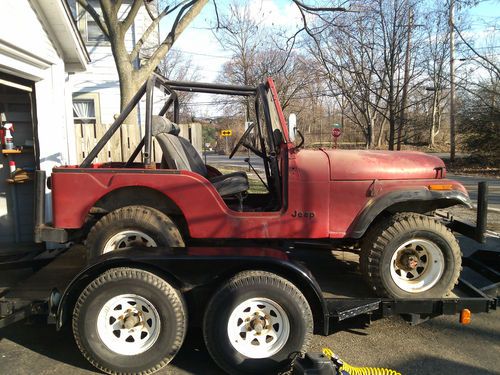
{"x": 226, "y": 133}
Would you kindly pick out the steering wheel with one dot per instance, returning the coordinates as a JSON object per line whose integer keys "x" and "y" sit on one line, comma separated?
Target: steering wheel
{"x": 242, "y": 140}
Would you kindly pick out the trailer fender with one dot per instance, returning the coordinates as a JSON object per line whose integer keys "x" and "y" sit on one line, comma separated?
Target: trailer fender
{"x": 417, "y": 200}
{"x": 189, "y": 268}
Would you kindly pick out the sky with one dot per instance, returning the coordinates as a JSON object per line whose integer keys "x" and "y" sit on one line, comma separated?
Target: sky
{"x": 199, "y": 43}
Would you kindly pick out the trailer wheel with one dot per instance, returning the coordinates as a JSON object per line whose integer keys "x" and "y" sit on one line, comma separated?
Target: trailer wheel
{"x": 410, "y": 255}
{"x": 132, "y": 226}
{"x": 257, "y": 323}
{"x": 129, "y": 321}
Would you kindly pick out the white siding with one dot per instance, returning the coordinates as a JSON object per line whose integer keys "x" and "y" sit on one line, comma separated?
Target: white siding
{"x": 21, "y": 29}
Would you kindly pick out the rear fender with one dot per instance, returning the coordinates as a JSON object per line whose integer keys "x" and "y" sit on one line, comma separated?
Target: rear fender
{"x": 417, "y": 200}
{"x": 189, "y": 268}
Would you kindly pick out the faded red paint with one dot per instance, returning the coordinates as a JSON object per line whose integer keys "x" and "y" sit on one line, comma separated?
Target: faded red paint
{"x": 334, "y": 204}
{"x": 348, "y": 165}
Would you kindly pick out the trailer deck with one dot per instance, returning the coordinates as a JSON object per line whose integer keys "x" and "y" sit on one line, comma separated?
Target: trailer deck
{"x": 345, "y": 294}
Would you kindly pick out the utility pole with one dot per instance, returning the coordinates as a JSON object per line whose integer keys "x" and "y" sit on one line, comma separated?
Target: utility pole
{"x": 406, "y": 82}
{"x": 452, "y": 82}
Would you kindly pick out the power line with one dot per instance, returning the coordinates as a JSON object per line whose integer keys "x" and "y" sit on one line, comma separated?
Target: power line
{"x": 201, "y": 54}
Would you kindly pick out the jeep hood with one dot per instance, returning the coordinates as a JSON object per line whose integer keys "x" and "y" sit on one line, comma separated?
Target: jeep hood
{"x": 383, "y": 165}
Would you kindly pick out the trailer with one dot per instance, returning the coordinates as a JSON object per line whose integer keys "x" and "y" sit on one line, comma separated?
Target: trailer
{"x": 201, "y": 284}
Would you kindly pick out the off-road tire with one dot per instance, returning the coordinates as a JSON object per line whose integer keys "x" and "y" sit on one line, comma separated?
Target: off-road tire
{"x": 384, "y": 238}
{"x": 114, "y": 282}
{"x": 150, "y": 221}
{"x": 244, "y": 286}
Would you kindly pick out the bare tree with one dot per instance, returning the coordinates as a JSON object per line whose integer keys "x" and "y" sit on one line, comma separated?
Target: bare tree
{"x": 363, "y": 56}
{"x": 436, "y": 52}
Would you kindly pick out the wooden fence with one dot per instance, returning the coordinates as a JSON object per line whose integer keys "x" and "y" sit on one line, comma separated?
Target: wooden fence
{"x": 118, "y": 148}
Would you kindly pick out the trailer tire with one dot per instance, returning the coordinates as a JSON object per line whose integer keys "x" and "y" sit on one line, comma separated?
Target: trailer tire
{"x": 410, "y": 255}
{"x": 266, "y": 299}
{"x": 111, "y": 304}
{"x": 132, "y": 225}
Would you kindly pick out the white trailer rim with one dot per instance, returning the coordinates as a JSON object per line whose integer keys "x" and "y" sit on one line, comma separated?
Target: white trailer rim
{"x": 258, "y": 328}
{"x": 128, "y": 238}
{"x": 417, "y": 265}
{"x": 128, "y": 324}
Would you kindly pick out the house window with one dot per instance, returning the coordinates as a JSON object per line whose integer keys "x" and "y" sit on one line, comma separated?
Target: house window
{"x": 91, "y": 30}
{"x": 84, "y": 111}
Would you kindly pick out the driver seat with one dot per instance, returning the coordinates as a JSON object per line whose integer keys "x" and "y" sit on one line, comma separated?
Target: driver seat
{"x": 179, "y": 153}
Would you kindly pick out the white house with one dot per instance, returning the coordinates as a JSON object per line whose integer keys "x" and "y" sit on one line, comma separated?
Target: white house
{"x": 40, "y": 48}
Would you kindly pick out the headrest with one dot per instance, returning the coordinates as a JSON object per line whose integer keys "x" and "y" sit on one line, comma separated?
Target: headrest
{"x": 161, "y": 125}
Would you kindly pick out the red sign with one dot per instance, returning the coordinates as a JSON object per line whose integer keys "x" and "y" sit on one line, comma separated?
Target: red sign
{"x": 336, "y": 132}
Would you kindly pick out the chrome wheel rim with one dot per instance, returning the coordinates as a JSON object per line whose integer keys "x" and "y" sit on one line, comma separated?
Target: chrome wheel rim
{"x": 417, "y": 265}
{"x": 128, "y": 238}
{"x": 128, "y": 324}
{"x": 258, "y": 328}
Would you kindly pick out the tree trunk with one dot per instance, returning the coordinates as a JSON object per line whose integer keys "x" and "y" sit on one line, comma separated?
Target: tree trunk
{"x": 381, "y": 133}
{"x": 433, "y": 119}
{"x": 392, "y": 126}
{"x": 130, "y": 130}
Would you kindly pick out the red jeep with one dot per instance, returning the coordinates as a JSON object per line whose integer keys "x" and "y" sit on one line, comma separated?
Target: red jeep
{"x": 377, "y": 201}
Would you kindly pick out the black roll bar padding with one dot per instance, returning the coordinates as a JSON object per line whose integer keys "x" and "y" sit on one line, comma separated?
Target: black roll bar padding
{"x": 215, "y": 88}
{"x": 114, "y": 127}
{"x": 214, "y": 91}
{"x": 39, "y": 203}
{"x": 149, "y": 111}
{"x": 482, "y": 211}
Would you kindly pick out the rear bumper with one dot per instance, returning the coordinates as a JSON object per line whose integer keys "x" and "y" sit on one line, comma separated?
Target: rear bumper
{"x": 46, "y": 233}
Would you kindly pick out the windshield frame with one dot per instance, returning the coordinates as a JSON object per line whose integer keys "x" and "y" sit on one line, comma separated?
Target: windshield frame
{"x": 275, "y": 106}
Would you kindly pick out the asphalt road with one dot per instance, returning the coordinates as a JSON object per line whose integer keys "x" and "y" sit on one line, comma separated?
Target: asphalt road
{"x": 439, "y": 346}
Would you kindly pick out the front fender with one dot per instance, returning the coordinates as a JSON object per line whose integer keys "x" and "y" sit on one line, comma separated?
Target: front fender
{"x": 418, "y": 200}
{"x": 189, "y": 268}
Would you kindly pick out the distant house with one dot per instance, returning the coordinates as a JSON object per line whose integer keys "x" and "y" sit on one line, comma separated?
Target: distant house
{"x": 40, "y": 48}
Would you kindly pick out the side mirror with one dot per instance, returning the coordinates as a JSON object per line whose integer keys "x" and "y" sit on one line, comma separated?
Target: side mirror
{"x": 292, "y": 126}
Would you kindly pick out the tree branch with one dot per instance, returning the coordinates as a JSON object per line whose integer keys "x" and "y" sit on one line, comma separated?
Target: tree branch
{"x": 484, "y": 58}
{"x": 95, "y": 16}
{"x": 182, "y": 21}
{"x": 151, "y": 15}
{"x": 319, "y": 9}
{"x": 129, "y": 19}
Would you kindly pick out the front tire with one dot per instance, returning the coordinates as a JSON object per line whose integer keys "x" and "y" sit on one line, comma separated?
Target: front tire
{"x": 256, "y": 323}
{"x": 410, "y": 256}
{"x": 129, "y": 321}
{"x": 132, "y": 226}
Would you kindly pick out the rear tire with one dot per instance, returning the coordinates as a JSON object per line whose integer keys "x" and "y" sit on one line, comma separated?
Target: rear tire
{"x": 129, "y": 321}
{"x": 257, "y": 323}
{"x": 410, "y": 256}
{"x": 132, "y": 226}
